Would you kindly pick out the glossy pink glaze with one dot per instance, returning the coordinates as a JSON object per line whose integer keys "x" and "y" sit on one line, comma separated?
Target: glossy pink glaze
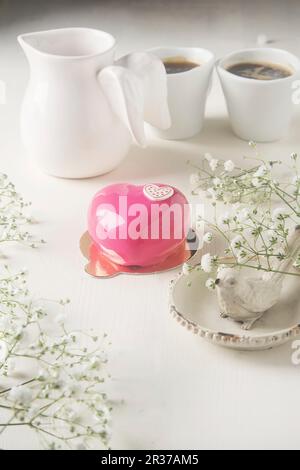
{"x": 131, "y": 244}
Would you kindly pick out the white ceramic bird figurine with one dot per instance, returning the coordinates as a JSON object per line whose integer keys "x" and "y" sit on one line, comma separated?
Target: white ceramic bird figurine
{"x": 245, "y": 299}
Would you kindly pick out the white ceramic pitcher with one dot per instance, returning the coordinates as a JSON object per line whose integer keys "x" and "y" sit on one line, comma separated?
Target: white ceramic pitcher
{"x": 80, "y": 112}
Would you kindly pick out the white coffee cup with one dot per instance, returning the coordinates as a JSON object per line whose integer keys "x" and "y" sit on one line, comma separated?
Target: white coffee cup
{"x": 259, "y": 110}
{"x": 187, "y": 91}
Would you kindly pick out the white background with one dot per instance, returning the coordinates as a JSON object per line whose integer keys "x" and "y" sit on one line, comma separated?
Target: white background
{"x": 170, "y": 389}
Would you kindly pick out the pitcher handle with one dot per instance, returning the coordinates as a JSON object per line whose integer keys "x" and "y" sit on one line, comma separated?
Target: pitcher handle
{"x": 136, "y": 88}
{"x": 124, "y": 93}
{"x": 152, "y": 74}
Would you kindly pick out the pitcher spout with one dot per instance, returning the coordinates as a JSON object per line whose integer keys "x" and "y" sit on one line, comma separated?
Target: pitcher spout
{"x": 68, "y": 43}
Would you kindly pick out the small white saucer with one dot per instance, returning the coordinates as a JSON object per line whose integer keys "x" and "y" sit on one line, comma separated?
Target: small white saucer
{"x": 196, "y": 308}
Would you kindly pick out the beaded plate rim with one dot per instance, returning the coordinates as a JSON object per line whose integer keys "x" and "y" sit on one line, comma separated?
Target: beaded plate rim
{"x": 233, "y": 341}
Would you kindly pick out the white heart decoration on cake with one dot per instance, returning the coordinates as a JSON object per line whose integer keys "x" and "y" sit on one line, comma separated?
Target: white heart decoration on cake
{"x": 158, "y": 193}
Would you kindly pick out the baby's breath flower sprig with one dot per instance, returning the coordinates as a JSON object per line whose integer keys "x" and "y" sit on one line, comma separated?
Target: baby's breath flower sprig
{"x": 60, "y": 394}
{"x": 254, "y": 213}
{"x": 224, "y": 181}
{"x": 14, "y": 217}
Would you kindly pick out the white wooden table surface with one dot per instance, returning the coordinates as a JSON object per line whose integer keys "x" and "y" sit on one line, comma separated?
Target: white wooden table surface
{"x": 171, "y": 389}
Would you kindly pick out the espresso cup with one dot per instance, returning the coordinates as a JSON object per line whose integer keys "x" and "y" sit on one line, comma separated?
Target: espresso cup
{"x": 259, "y": 110}
{"x": 187, "y": 91}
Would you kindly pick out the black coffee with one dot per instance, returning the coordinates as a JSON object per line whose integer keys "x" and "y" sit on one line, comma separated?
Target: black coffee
{"x": 178, "y": 64}
{"x": 260, "y": 70}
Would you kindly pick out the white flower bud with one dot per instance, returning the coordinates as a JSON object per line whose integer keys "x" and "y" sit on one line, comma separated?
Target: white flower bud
{"x": 210, "y": 284}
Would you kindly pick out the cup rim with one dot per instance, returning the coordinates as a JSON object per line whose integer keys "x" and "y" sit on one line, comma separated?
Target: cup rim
{"x": 211, "y": 60}
{"x": 221, "y": 69}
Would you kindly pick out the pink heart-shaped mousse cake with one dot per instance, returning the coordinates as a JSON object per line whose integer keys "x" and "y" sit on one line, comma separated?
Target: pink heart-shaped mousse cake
{"x": 138, "y": 225}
